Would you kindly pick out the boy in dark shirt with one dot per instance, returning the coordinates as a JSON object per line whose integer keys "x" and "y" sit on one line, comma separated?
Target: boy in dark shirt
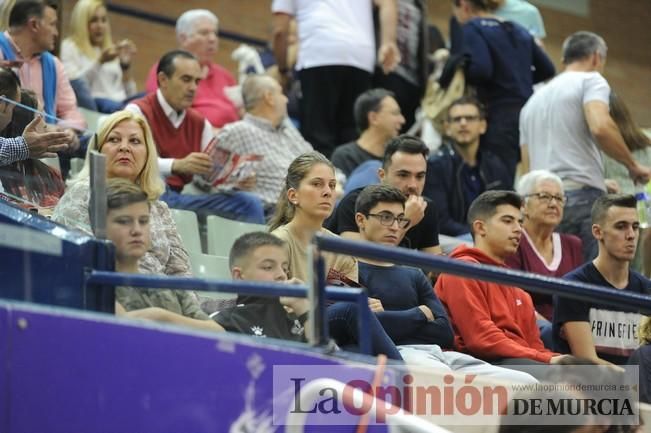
{"x": 402, "y": 297}
{"x": 262, "y": 257}
{"x": 603, "y": 333}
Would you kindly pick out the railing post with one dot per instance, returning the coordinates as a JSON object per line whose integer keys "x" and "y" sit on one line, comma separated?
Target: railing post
{"x": 97, "y": 206}
{"x": 317, "y": 333}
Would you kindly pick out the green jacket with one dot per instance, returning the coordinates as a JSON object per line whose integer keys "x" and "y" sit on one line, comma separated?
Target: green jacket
{"x": 178, "y": 301}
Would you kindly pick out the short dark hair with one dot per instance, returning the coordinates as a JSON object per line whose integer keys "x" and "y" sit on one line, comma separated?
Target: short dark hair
{"x": 485, "y": 206}
{"x": 469, "y": 100}
{"x": 404, "y": 143}
{"x": 367, "y": 102}
{"x": 166, "y": 63}
{"x": 9, "y": 84}
{"x": 245, "y": 244}
{"x": 23, "y": 10}
{"x": 602, "y": 204}
{"x": 21, "y": 116}
{"x": 374, "y": 194}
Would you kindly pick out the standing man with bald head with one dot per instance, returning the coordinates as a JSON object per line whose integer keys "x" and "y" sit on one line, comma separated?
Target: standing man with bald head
{"x": 263, "y": 131}
{"x": 197, "y": 33}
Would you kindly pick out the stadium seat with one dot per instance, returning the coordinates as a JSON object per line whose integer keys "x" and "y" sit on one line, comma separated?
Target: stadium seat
{"x": 187, "y": 226}
{"x": 209, "y": 266}
{"x": 223, "y": 232}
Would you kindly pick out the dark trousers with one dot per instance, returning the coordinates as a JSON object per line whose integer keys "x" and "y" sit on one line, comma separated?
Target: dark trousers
{"x": 342, "y": 325}
{"x": 502, "y": 136}
{"x": 237, "y": 205}
{"x": 577, "y": 218}
{"x": 328, "y": 96}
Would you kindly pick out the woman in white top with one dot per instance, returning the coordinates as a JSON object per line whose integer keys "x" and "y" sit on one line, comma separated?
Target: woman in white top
{"x": 98, "y": 69}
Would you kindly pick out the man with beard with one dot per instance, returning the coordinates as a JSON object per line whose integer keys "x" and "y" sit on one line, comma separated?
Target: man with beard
{"x": 404, "y": 166}
{"x": 460, "y": 170}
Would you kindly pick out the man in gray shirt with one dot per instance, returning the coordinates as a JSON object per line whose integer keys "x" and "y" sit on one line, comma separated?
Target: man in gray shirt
{"x": 263, "y": 131}
{"x": 379, "y": 119}
{"x": 564, "y": 127}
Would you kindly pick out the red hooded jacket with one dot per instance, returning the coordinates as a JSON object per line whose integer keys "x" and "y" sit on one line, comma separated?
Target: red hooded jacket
{"x": 490, "y": 320}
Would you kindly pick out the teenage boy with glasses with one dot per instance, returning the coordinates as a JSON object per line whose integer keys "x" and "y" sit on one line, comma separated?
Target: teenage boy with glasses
{"x": 459, "y": 171}
{"x": 402, "y": 297}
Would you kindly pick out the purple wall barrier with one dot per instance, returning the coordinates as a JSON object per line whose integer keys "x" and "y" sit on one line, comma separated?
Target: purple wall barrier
{"x": 67, "y": 371}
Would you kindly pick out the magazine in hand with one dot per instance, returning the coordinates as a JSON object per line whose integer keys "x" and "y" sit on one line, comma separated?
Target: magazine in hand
{"x": 229, "y": 167}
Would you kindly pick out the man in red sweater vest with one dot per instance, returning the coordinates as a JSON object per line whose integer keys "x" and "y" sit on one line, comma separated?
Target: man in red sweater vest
{"x": 492, "y": 321}
{"x": 197, "y": 33}
{"x": 181, "y": 136}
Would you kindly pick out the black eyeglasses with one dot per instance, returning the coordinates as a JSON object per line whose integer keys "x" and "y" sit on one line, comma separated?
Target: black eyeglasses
{"x": 387, "y": 219}
{"x": 458, "y": 119}
{"x": 547, "y": 198}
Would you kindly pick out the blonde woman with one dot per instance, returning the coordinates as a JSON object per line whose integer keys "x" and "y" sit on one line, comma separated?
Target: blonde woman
{"x": 93, "y": 63}
{"x": 126, "y": 141}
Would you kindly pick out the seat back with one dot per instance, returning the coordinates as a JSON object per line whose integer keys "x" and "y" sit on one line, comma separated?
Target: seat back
{"x": 187, "y": 226}
{"x": 223, "y": 232}
{"x": 209, "y": 266}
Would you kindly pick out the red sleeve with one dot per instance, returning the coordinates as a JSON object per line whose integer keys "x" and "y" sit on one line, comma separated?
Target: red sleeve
{"x": 467, "y": 304}
{"x": 151, "y": 84}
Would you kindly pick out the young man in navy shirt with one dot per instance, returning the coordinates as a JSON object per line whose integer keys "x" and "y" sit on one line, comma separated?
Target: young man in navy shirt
{"x": 599, "y": 332}
{"x": 402, "y": 297}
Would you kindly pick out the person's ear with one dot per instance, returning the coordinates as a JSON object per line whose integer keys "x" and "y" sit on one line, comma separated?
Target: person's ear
{"x": 161, "y": 78}
{"x": 236, "y": 273}
{"x": 360, "y": 219}
{"x": 33, "y": 23}
{"x": 268, "y": 97}
{"x": 479, "y": 228}
{"x": 597, "y": 232}
{"x": 381, "y": 173}
{"x": 371, "y": 117}
{"x": 482, "y": 126}
{"x": 292, "y": 196}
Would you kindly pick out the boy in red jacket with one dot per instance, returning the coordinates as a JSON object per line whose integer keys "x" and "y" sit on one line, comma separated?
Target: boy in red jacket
{"x": 492, "y": 321}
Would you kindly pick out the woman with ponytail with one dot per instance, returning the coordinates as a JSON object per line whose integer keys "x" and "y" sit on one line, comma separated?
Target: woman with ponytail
{"x": 307, "y": 199}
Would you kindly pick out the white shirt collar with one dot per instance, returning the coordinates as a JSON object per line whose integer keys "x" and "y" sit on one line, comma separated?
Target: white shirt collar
{"x": 171, "y": 114}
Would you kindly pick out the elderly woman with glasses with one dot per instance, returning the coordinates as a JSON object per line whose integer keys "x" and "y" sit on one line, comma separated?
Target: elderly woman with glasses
{"x": 542, "y": 250}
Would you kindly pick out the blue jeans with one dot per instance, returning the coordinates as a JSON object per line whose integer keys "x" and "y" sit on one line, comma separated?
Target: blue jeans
{"x": 237, "y": 205}
{"x": 342, "y": 325}
{"x": 577, "y": 219}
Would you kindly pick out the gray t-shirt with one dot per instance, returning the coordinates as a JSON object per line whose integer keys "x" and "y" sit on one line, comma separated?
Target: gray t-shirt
{"x": 349, "y": 156}
{"x": 555, "y": 130}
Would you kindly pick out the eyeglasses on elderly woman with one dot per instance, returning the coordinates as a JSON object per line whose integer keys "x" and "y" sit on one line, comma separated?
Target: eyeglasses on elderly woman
{"x": 547, "y": 198}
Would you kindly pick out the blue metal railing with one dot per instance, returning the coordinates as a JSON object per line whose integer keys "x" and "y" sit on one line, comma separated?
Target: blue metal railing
{"x": 321, "y": 292}
{"x": 358, "y": 296}
{"x": 532, "y": 282}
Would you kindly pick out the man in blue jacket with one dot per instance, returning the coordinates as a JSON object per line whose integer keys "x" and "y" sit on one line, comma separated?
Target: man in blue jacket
{"x": 459, "y": 172}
